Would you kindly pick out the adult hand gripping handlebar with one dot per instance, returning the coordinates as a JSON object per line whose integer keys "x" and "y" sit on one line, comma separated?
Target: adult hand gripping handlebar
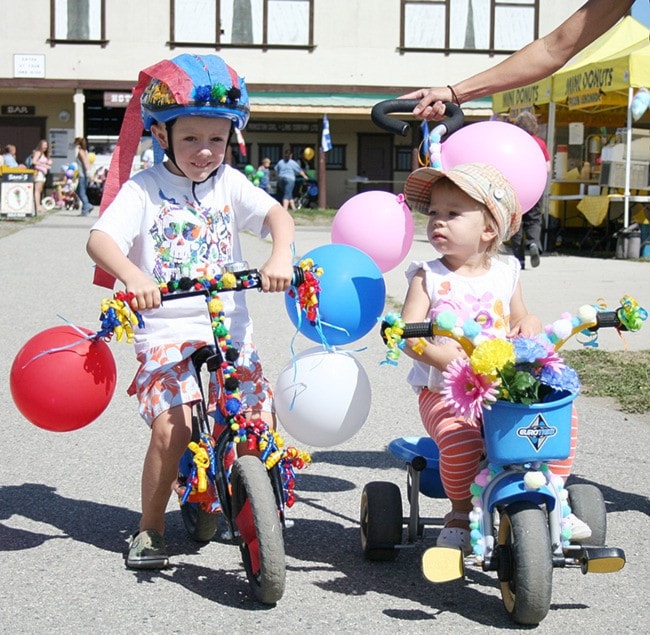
{"x": 380, "y": 117}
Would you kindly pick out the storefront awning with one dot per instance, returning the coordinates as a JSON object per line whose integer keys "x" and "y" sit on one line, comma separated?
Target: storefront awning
{"x": 344, "y": 104}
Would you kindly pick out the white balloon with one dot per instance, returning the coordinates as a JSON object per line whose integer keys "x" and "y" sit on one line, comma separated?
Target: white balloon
{"x": 323, "y": 398}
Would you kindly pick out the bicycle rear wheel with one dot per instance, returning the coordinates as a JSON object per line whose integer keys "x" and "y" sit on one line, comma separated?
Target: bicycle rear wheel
{"x": 256, "y": 515}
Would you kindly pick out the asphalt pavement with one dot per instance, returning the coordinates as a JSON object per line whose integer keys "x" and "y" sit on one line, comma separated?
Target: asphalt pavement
{"x": 68, "y": 501}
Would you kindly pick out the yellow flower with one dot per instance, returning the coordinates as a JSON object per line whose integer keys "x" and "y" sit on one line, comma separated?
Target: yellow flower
{"x": 492, "y": 355}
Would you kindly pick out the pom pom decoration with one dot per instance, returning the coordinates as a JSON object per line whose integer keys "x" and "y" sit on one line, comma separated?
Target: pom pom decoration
{"x": 508, "y": 148}
{"x": 352, "y": 296}
{"x": 322, "y": 398}
{"x": 378, "y": 223}
{"x": 62, "y": 380}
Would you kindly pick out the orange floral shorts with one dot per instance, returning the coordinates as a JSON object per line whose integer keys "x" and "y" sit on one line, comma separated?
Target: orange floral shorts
{"x": 166, "y": 379}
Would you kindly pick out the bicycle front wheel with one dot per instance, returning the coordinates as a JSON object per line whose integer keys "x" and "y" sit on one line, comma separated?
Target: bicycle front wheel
{"x": 256, "y": 515}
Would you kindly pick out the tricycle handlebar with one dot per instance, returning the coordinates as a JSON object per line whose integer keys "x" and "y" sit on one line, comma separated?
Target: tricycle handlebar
{"x": 380, "y": 116}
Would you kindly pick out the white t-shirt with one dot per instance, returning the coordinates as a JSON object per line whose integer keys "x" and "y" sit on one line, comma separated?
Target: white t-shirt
{"x": 170, "y": 230}
{"x": 484, "y": 298}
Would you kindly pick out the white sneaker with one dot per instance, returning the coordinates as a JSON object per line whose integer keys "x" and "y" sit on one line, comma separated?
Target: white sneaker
{"x": 579, "y": 529}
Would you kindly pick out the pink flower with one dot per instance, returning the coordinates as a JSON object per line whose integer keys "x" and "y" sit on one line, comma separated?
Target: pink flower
{"x": 467, "y": 391}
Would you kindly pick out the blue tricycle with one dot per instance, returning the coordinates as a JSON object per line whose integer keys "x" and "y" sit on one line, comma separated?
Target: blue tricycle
{"x": 516, "y": 526}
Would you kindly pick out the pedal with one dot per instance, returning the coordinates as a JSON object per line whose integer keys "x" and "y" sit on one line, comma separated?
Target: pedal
{"x": 602, "y": 560}
{"x": 443, "y": 564}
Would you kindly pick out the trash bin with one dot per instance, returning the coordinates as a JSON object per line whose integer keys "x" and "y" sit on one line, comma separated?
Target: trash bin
{"x": 628, "y": 242}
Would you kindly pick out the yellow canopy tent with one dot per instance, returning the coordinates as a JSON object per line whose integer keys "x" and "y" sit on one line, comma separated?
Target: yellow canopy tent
{"x": 598, "y": 83}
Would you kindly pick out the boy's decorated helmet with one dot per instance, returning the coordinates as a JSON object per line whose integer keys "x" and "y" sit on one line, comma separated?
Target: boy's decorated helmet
{"x": 199, "y": 85}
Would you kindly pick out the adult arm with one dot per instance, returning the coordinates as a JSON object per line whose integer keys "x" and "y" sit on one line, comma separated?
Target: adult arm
{"x": 535, "y": 61}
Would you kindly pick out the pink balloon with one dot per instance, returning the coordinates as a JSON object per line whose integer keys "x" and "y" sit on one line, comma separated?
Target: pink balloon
{"x": 379, "y": 224}
{"x": 508, "y": 148}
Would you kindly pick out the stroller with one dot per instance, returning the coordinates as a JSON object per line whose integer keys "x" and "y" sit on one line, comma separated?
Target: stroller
{"x": 306, "y": 193}
{"x": 64, "y": 195}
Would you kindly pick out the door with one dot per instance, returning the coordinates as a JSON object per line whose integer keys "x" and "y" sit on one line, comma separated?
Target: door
{"x": 375, "y": 162}
{"x": 23, "y": 132}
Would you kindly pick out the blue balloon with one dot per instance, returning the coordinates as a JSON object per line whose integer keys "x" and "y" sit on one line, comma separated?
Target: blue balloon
{"x": 352, "y": 297}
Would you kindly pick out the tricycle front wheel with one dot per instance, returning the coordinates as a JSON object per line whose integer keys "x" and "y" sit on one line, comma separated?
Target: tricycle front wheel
{"x": 525, "y": 562}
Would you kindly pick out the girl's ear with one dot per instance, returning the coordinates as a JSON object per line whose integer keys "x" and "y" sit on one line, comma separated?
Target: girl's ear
{"x": 489, "y": 234}
{"x": 160, "y": 132}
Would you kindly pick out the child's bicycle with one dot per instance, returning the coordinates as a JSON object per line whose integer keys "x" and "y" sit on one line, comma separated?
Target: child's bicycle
{"x": 251, "y": 492}
{"x": 516, "y": 525}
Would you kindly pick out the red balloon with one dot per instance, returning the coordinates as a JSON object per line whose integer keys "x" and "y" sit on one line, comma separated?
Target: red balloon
{"x": 63, "y": 390}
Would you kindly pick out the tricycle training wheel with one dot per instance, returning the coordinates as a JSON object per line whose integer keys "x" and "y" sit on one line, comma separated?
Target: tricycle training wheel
{"x": 256, "y": 515}
{"x": 525, "y": 563}
{"x": 587, "y": 503}
{"x": 381, "y": 520}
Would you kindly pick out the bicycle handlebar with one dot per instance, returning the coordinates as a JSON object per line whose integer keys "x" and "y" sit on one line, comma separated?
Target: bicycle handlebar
{"x": 236, "y": 281}
{"x": 380, "y": 116}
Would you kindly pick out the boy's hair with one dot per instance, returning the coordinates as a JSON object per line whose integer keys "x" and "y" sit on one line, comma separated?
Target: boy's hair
{"x": 480, "y": 181}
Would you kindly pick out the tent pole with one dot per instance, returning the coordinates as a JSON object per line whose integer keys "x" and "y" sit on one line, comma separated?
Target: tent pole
{"x": 628, "y": 157}
{"x": 550, "y": 143}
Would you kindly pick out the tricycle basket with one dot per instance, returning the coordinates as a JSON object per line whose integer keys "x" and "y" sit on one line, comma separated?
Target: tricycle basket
{"x": 518, "y": 433}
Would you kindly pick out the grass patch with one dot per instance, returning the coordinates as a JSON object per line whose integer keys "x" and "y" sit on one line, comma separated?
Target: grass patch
{"x": 623, "y": 375}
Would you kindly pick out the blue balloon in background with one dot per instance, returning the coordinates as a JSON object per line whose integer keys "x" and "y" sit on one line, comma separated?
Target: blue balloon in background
{"x": 352, "y": 297}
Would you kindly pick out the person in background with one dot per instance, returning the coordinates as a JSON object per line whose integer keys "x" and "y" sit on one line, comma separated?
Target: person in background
{"x": 265, "y": 169}
{"x": 9, "y": 156}
{"x": 287, "y": 169}
{"x": 42, "y": 163}
{"x": 147, "y": 158}
{"x": 529, "y": 234}
{"x": 83, "y": 166}
{"x": 535, "y": 61}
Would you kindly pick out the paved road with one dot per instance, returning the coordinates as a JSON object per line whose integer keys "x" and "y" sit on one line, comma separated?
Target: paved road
{"x": 68, "y": 501}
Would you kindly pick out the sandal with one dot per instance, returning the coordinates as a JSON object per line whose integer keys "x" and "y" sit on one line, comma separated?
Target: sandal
{"x": 455, "y": 537}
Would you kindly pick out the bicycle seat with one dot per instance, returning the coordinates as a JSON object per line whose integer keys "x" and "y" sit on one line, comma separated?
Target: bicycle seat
{"x": 422, "y": 454}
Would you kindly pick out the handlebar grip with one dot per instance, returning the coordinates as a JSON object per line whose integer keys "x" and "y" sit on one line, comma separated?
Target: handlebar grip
{"x": 608, "y": 319}
{"x": 418, "y": 329}
{"x": 412, "y": 329}
{"x": 381, "y": 110}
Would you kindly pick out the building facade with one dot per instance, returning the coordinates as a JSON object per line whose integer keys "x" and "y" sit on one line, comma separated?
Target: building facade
{"x": 67, "y": 68}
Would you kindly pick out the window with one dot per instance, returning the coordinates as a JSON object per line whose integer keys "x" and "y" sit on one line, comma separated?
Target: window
{"x": 335, "y": 159}
{"x": 242, "y": 23}
{"x": 403, "y": 158}
{"x": 492, "y": 26}
{"x": 271, "y": 150}
{"x": 78, "y": 22}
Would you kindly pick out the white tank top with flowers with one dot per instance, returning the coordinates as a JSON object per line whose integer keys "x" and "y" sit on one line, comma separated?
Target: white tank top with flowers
{"x": 485, "y": 299}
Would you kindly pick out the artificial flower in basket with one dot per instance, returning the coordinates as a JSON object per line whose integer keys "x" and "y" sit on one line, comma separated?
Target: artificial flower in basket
{"x": 522, "y": 370}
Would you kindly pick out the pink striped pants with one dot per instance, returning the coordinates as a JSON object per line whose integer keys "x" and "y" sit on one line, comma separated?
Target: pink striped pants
{"x": 460, "y": 444}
